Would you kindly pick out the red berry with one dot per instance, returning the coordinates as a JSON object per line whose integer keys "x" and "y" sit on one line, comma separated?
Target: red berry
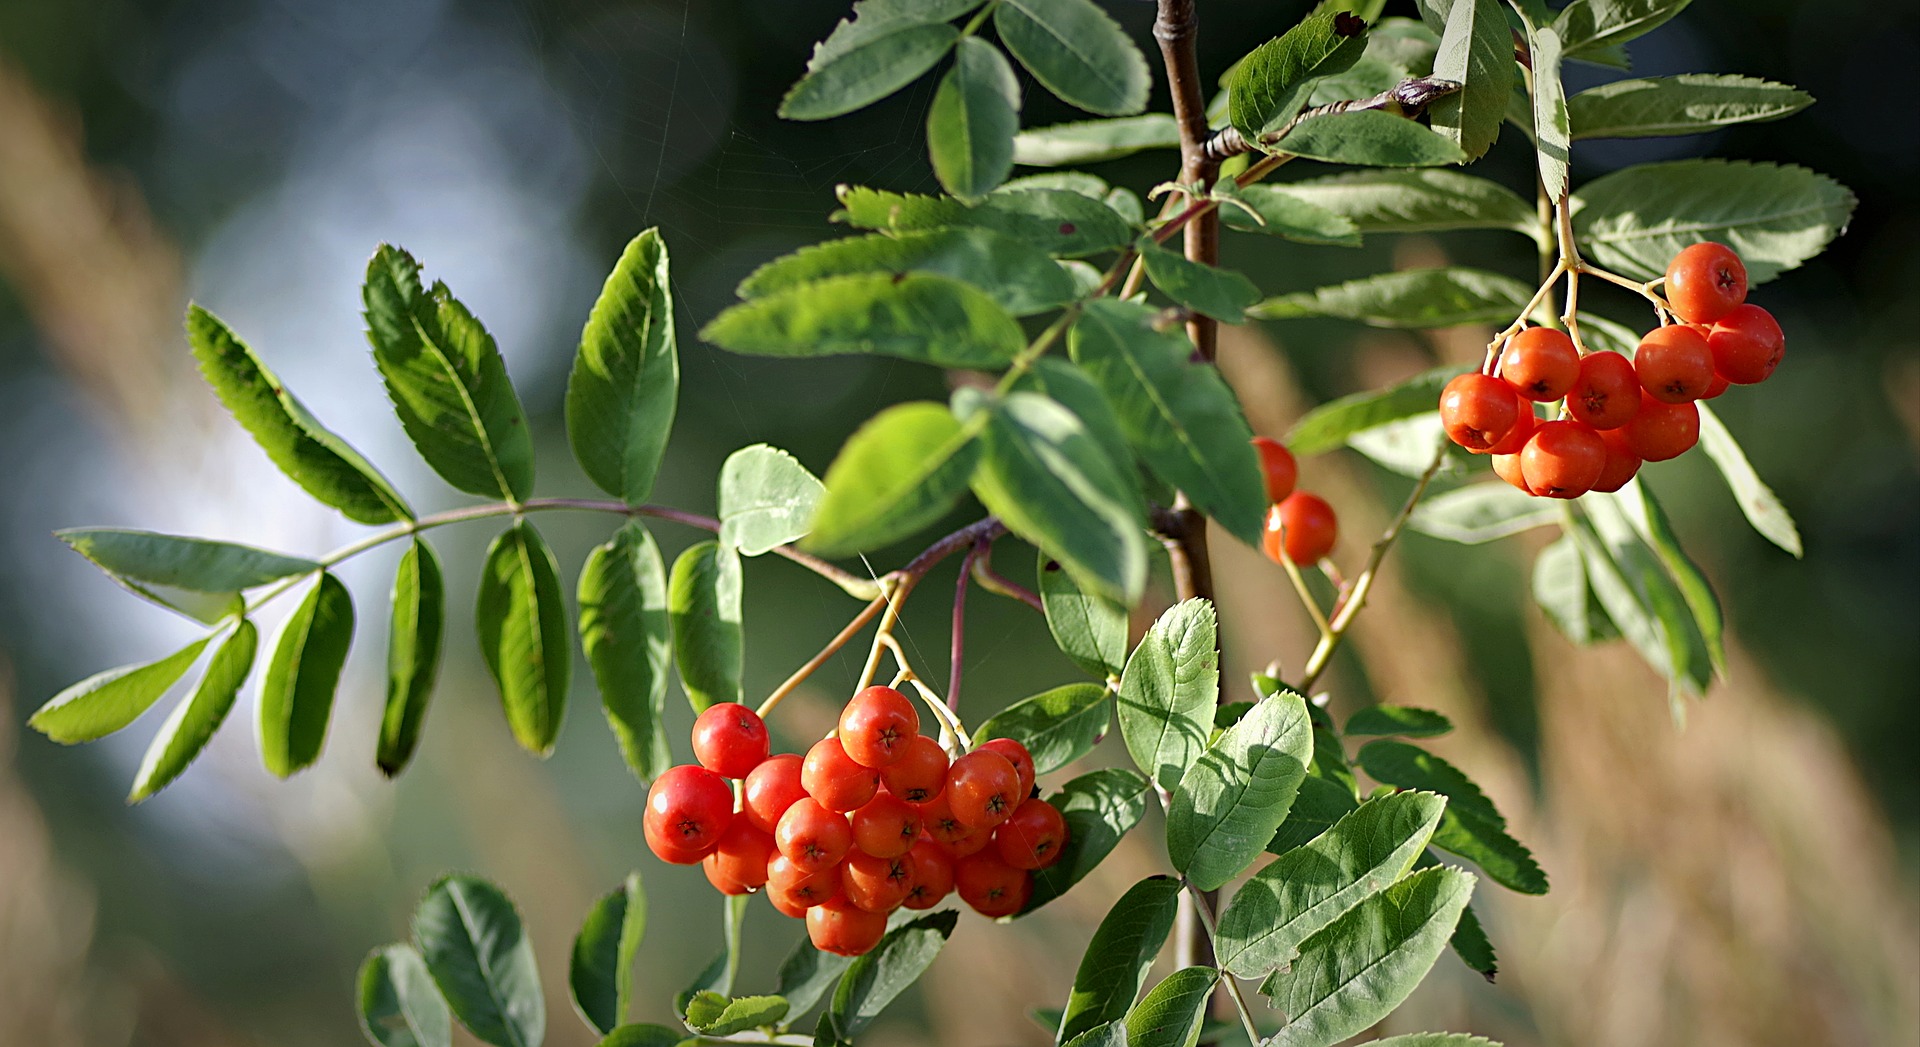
{"x": 800, "y": 887}
{"x": 1522, "y": 432}
{"x": 972, "y": 842}
{"x": 835, "y": 779}
{"x": 991, "y": 886}
{"x": 1674, "y": 364}
{"x": 1662, "y": 431}
{"x": 730, "y": 739}
{"x": 720, "y": 880}
{"x": 932, "y": 877}
{"x": 1621, "y": 462}
{"x": 1607, "y": 393}
{"x": 1033, "y": 838}
{"x": 785, "y": 904}
{"x": 811, "y": 836}
{"x": 877, "y": 726}
{"x": 1562, "y": 460}
{"x": 844, "y": 929}
{"x": 770, "y": 789}
{"x": 743, "y": 854}
{"x": 1303, "y": 528}
{"x": 1277, "y": 464}
{"x": 1746, "y": 345}
{"x": 1507, "y": 467}
{"x": 688, "y": 810}
{"x": 1018, "y": 756}
{"x": 886, "y": 827}
{"x": 1704, "y": 282}
{"x": 1478, "y": 410}
{"x": 876, "y": 884}
{"x": 982, "y": 789}
{"x": 1540, "y": 364}
{"x": 938, "y": 822}
{"x": 1720, "y": 385}
{"x": 920, "y": 773}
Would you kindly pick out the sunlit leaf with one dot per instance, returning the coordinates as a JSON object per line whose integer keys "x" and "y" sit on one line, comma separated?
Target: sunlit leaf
{"x": 1090, "y": 141}
{"x": 601, "y": 972}
{"x": 1371, "y": 138}
{"x": 1168, "y": 691}
{"x": 1480, "y": 513}
{"x": 1237, "y": 793}
{"x": 627, "y": 634}
{"x": 1757, "y": 502}
{"x": 905, "y": 468}
{"x": 766, "y": 499}
{"x": 885, "y": 46}
{"x": 1332, "y": 424}
{"x": 1172, "y": 1012}
{"x": 1420, "y": 298}
{"x": 1057, "y": 726}
{"x": 971, "y": 123}
{"x": 703, "y": 601}
{"x": 915, "y": 316}
{"x": 105, "y": 702}
{"x": 521, "y": 617}
{"x": 1115, "y": 965}
{"x": 413, "y": 654}
{"x": 194, "y": 720}
{"x": 1274, "y": 81}
{"x": 1476, "y": 50}
{"x": 1076, "y": 51}
{"x": 398, "y": 1003}
{"x": 1088, "y": 629}
{"x": 1014, "y": 273}
{"x": 296, "y": 696}
{"x": 1690, "y": 103}
{"x": 1416, "y": 201}
{"x": 625, "y": 385}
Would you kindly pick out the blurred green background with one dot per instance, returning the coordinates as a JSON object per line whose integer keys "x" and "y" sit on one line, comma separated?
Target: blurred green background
{"x": 250, "y": 153}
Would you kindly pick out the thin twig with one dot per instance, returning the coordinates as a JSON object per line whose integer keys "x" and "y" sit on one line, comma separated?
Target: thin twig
{"x": 957, "y": 641}
{"x": 1202, "y": 909}
{"x": 833, "y": 646}
{"x": 1000, "y": 585}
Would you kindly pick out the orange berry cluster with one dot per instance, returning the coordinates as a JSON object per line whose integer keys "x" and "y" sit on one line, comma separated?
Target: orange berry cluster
{"x": 1619, "y": 412}
{"x": 873, "y": 818}
{"x": 1300, "y": 526}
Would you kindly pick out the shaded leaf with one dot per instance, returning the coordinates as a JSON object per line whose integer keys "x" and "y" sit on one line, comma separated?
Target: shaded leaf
{"x": 1369, "y": 137}
{"x": 627, "y": 634}
{"x": 1230, "y": 802}
{"x": 1088, "y": 629}
{"x": 1173, "y": 1011}
{"x": 625, "y": 385}
{"x": 875, "y": 979}
{"x": 521, "y": 618}
{"x": 480, "y": 957}
{"x": 398, "y": 1003}
{"x": 1435, "y": 1039}
{"x": 1168, "y": 691}
{"x": 971, "y": 124}
{"x": 413, "y": 654}
{"x": 1123, "y": 947}
{"x": 1480, "y": 513}
{"x": 200, "y": 565}
{"x": 1277, "y": 212}
{"x": 1422, "y": 298}
{"x": 1015, "y": 274}
{"x": 1643, "y": 511}
{"x": 195, "y": 720}
{"x": 885, "y": 46}
{"x": 1090, "y": 141}
{"x": 1321, "y": 802}
{"x": 1757, "y": 501}
{"x": 1476, "y": 50}
{"x": 1407, "y": 721}
{"x": 907, "y": 467}
{"x": 105, "y": 702}
{"x": 643, "y": 1035}
{"x": 766, "y": 499}
{"x": 1099, "y": 807}
{"x": 1220, "y": 293}
{"x": 1469, "y": 942}
{"x": 807, "y": 974}
{"x": 1690, "y": 103}
{"x": 1060, "y": 222}
{"x": 1074, "y": 389}
{"x": 1057, "y": 726}
{"x": 1331, "y": 424}
{"x": 1471, "y": 827}
{"x": 1560, "y": 589}
{"x": 600, "y": 974}
{"x": 1641, "y": 596}
{"x": 1415, "y": 201}
{"x": 296, "y": 697}
{"x": 1273, "y": 82}
{"x": 1077, "y": 52}
{"x": 914, "y": 316}
{"x": 703, "y": 601}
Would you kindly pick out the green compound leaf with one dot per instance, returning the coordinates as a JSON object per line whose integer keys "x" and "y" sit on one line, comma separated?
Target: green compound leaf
{"x": 627, "y": 633}
{"x": 1091, "y": 141}
{"x": 1168, "y": 692}
{"x": 1076, "y": 51}
{"x": 1057, "y": 726}
{"x": 1407, "y": 721}
{"x": 1180, "y": 416}
{"x": 715, "y": 1015}
{"x": 1309, "y": 887}
{"x": 1357, "y": 969}
{"x": 1415, "y": 201}
{"x": 625, "y": 384}
{"x": 907, "y": 467}
{"x": 1757, "y": 502}
{"x": 296, "y": 698}
{"x": 521, "y": 617}
{"x": 971, "y": 124}
{"x": 1371, "y": 138}
{"x": 1591, "y": 27}
{"x": 1055, "y": 486}
{"x": 885, "y": 46}
{"x": 1089, "y": 630}
{"x": 413, "y": 654}
{"x": 1332, "y": 424}
{"x": 398, "y": 1002}
{"x": 1471, "y": 827}
{"x": 1417, "y": 298}
{"x": 1235, "y": 796}
{"x": 196, "y": 576}
{"x": 1220, "y": 293}
{"x": 703, "y": 601}
{"x": 1172, "y": 1013}
{"x": 1480, "y": 513}
{"x": 1015, "y": 274}
{"x": 447, "y": 381}
{"x": 105, "y": 702}
{"x": 914, "y": 316}
{"x": 1099, "y": 807}
{"x": 1691, "y": 103}
{"x": 1776, "y": 216}
{"x": 1552, "y": 135}
{"x": 601, "y": 972}
{"x": 309, "y": 453}
{"x": 1277, "y": 212}
{"x": 875, "y": 979}
{"x": 1115, "y": 965}
{"x": 1274, "y": 81}
{"x": 1476, "y": 50}
{"x": 194, "y": 720}
{"x": 480, "y": 957}
{"x": 766, "y": 499}
{"x": 1060, "y": 222}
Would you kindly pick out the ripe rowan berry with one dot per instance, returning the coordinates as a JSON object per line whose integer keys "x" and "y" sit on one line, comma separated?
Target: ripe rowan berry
{"x": 1562, "y": 460}
{"x": 800, "y": 887}
{"x": 1522, "y": 432}
{"x": 1720, "y": 385}
{"x": 770, "y": 789}
{"x": 991, "y": 886}
{"x": 785, "y": 904}
{"x": 730, "y": 739}
{"x": 835, "y": 779}
{"x": 886, "y": 826}
{"x": 844, "y": 929}
{"x": 720, "y": 880}
{"x": 743, "y": 854}
{"x": 1746, "y": 344}
{"x": 1278, "y": 466}
{"x": 932, "y": 877}
{"x": 1674, "y": 364}
{"x": 688, "y": 810}
{"x": 876, "y": 884}
{"x": 1621, "y": 462}
{"x": 1607, "y": 393}
{"x": 877, "y": 726}
{"x": 811, "y": 836}
{"x": 969, "y": 843}
{"x": 920, "y": 773}
{"x": 1540, "y": 364}
{"x": 1705, "y": 281}
{"x": 1018, "y": 756}
{"x": 937, "y": 820}
{"x": 1033, "y": 838}
{"x": 1662, "y": 431}
{"x": 1478, "y": 410}
{"x": 982, "y": 789}
{"x": 1507, "y": 467}
{"x": 1302, "y": 528}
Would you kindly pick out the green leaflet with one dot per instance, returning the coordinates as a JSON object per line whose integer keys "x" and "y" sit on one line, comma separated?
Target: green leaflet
{"x": 1369, "y": 137}
{"x": 1332, "y": 424}
{"x": 1089, "y": 630}
{"x": 413, "y": 653}
{"x": 875, "y": 979}
{"x": 1480, "y": 512}
{"x": 1419, "y": 298}
{"x": 1273, "y": 82}
{"x": 1117, "y": 959}
{"x": 1631, "y": 579}
{"x": 1476, "y": 50}
{"x": 1471, "y": 827}
{"x": 807, "y": 974}
{"x": 1099, "y": 808}
{"x": 1552, "y": 135}
{"x": 1057, "y": 726}
{"x": 914, "y": 316}
{"x": 309, "y": 453}
{"x": 398, "y": 1002}
{"x": 198, "y": 577}
{"x": 625, "y": 384}
{"x": 1076, "y": 52}
{"x": 971, "y": 124}
{"x": 521, "y": 617}
{"x": 1321, "y": 802}
{"x": 907, "y": 467}
{"x": 766, "y": 499}
{"x": 194, "y": 720}
{"x": 1168, "y": 692}
{"x": 480, "y": 957}
{"x": 719, "y": 974}
{"x": 1407, "y": 721}
{"x": 296, "y": 697}
{"x": 1679, "y": 105}
{"x": 1060, "y": 222}
{"x": 1278, "y": 212}
{"x": 1220, "y": 293}
{"x": 703, "y": 601}
{"x": 1014, "y": 273}
{"x": 1172, "y": 1013}
{"x": 1090, "y": 141}
{"x": 885, "y": 46}
{"x": 1643, "y": 512}
{"x": 1415, "y": 201}
{"x": 601, "y": 972}
{"x": 643, "y": 1035}
{"x": 105, "y": 702}
{"x": 1230, "y": 802}
{"x": 447, "y": 381}
{"x": 715, "y": 1015}
{"x": 1591, "y": 27}
{"x": 627, "y": 633}
{"x": 1560, "y": 587}
{"x": 1074, "y": 389}
{"x": 1757, "y": 501}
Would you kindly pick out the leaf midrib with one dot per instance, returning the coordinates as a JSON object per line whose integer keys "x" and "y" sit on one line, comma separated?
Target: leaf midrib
{"x": 434, "y": 352}
{"x": 480, "y": 959}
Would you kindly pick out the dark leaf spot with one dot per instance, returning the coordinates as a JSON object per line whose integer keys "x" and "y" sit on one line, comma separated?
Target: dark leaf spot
{"x": 1066, "y": 229}
{"x": 1346, "y": 23}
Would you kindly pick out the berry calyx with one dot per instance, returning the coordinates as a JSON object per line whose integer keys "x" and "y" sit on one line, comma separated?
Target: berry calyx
{"x": 813, "y": 837}
{"x": 730, "y": 739}
{"x": 770, "y": 789}
{"x": 1607, "y": 393}
{"x": 877, "y": 726}
{"x": 920, "y": 773}
{"x": 835, "y": 779}
{"x": 886, "y": 826}
{"x": 1033, "y": 838}
{"x": 1674, "y": 364}
{"x": 1018, "y": 756}
{"x": 1746, "y": 345}
{"x": 1705, "y": 281}
{"x": 991, "y": 886}
{"x": 1540, "y": 364}
{"x": 688, "y": 810}
{"x": 932, "y": 875}
{"x": 1303, "y": 528}
{"x": 876, "y": 884}
{"x": 1478, "y": 410}
{"x": 937, "y": 820}
{"x": 982, "y": 789}
{"x": 801, "y": 888}
{"x": 844, "y": 929}
{"x": 1278, "y": 466}
{"x": 1562, "y": 460}
{"x": 1662, "y": 431}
